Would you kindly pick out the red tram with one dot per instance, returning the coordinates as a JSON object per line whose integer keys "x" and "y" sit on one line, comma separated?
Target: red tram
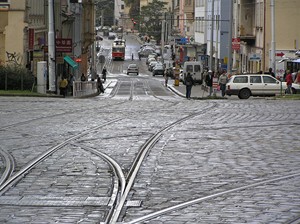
{"x": 118, "y": 50}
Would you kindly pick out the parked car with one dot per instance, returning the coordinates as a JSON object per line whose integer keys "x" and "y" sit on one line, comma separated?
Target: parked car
{"x": 112, "y": 36}
{"x": 133, "y": 68}
{"x": 247, "y": 85}
{"x": 144, "y": 52}
{"x": 151, "y": 65}
{"x": 149, "y": 60}
{"x": 158, "y": 69}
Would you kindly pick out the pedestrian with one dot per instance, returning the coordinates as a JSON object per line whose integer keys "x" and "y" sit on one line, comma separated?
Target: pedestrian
{"x": 166, "y": 76}
{"x": 297, "y": 79}
{"x": 71, "y": 82}
{"x": 189, "y": 82}
{"x": 222, "y": 82}
{"x": 289, "y": 82}
{"x": 104, "y": 71}
{"x": 100, "y": 85}
{"x": 83, "y": 78}
{"x": 271, "y": 72}
{"x": 209, "y": 81}
{"x": 63, "y": 86}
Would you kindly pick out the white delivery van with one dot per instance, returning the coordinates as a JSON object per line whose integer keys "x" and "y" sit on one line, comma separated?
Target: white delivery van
{"x": 196, "y": 70}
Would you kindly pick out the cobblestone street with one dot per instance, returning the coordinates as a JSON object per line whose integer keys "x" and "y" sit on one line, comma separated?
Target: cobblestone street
{"x": 229, "y": 161}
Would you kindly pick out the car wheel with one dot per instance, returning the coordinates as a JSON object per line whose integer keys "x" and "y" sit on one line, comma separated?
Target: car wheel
{"x": 127, "y": 73}
{"x": 244, "y": 94}
{"x": 294, "y": 91}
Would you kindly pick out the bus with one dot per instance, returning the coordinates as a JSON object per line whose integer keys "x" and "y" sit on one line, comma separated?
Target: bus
{"x": 118, "y": 49}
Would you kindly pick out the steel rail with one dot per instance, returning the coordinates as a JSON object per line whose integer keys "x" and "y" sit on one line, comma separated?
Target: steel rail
{"x": 117, "y": 192}
{"x": 198, "y": 200}
{"x": 13, "y": 179}
{"x": 9, "y": 165}
{"x": 143, "y": 152}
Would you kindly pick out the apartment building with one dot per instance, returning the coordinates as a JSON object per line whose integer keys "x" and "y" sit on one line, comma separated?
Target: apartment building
{"x": 253, "y": 27}
{"x": 23, "y": 31}
{"x": 119, "y": 12}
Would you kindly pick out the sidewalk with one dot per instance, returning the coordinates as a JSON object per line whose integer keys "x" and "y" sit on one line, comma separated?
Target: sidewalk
{"x": 197, "y": 91}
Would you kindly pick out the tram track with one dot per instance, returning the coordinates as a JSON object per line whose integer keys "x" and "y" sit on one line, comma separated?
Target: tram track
{"x": 131, "y": 176}
{"x": 143, "y": 152}
{"x": 18, "y": 175}
{"x": 209, "y": 197}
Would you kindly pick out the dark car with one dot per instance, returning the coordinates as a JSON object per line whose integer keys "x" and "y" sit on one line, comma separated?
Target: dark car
{"x": 112, "y": 37}
{"x": 158, "y": 69}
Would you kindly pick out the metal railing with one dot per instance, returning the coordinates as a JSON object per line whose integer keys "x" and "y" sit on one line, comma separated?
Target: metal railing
{"x": 85, "y": 89}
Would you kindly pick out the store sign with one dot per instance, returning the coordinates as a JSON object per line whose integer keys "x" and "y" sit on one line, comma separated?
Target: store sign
{"x": 254, "y": 57}
{"x": 30, "y": 39}
{"x": 63, "y": 45}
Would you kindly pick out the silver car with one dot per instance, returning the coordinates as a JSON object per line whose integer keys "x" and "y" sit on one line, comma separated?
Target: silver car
{"x": 247, "y": 85}
{"x": 133, "y": 68}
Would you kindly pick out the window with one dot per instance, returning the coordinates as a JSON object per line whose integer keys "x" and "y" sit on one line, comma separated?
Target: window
{"x": 269, "y": 80}
{"x": 197, "y": 68}
{"x": 255, "y": 79}
{"x": 242, "y": 79}
{"x": 189, "y": 68}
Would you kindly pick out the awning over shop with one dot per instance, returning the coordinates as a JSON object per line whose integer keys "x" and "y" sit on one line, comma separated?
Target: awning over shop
{"x": 70, "y": 61}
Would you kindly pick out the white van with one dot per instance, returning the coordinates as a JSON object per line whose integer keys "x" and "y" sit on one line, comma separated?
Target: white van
{"x": 196, "y": 70}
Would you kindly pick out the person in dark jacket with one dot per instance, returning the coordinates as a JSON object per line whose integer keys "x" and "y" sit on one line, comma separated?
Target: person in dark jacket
{"x": 189, "y": 82}
{"x": 100, "y": 85}
{"x": 209, "y": 81}
{"x": 104, "y": 71}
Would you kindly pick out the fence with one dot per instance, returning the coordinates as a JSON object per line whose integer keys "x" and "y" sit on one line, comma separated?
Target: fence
{"x": 85, "y": 89}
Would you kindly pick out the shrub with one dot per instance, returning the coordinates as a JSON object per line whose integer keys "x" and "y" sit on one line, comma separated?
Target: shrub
{"x": 15, "y": 78}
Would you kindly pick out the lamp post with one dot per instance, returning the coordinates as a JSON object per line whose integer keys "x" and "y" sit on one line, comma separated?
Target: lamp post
{"x": 273, "y": 43}
{"x": 51, "y": 46}
{"x": 212, "y": 35}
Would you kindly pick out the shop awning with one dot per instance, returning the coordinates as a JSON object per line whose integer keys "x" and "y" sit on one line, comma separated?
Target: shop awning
{"x": 70, "y": 61}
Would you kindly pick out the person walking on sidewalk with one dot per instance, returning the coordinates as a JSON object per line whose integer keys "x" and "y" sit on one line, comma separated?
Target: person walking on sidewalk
{"x": 100, "y": 85}
{"x": 63, "y": 86}
{"x": 104, "y": 71}
{"x": 166, "y": 76}
{"x": 289, "y": 82}
{"x": 209, "y": 81}
{"x": 189, "y": 82}
{"x": 222, "y": 82}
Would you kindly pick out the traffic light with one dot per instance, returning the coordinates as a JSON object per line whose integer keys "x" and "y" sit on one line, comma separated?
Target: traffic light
{"x": 134, "y": 23}
{"x": 132, "y": 19}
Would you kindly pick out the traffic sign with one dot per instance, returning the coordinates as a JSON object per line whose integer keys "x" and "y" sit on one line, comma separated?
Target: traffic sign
{"x": 236, "y": 44}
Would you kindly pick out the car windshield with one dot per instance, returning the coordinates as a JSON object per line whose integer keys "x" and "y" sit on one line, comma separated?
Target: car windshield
{"x": 132, "y": 66}
{"x": 268, "y": 79}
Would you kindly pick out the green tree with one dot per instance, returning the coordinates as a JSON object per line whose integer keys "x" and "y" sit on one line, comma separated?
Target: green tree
{"x": 151, "y": 17}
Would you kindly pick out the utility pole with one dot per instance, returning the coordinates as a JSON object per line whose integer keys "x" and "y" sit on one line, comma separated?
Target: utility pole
{"x": 273, "y": 44}
{"x": 217, "y": 39}
{"x": 163, "y": 38}
{"x": 212, "y": 35}
{"x": 229, "y": 62}
{"x": 93, "y": 64}
{"x": 51, "y": 47}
